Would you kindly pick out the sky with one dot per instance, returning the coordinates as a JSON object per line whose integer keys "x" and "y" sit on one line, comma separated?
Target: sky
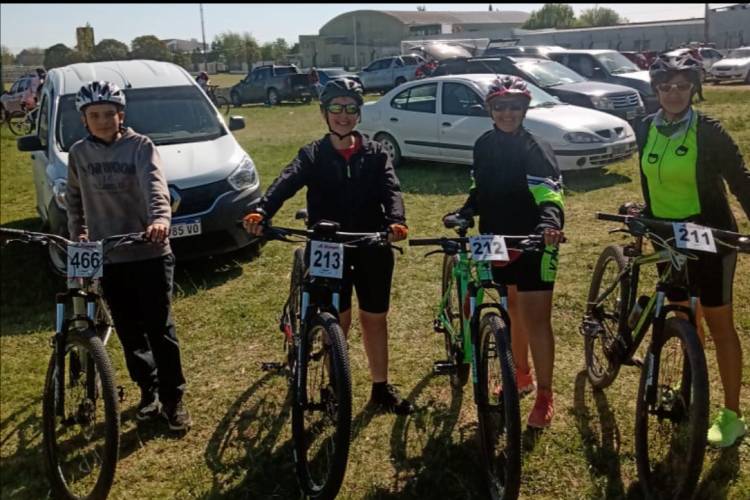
{"x": 43, "y": 25}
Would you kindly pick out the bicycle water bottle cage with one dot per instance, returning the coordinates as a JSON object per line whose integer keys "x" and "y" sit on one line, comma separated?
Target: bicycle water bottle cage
{"x": 326, "y": 227}
{"x": 457, "y": 222}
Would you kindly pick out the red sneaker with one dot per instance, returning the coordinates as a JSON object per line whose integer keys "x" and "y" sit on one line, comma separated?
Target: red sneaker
{"x": 524, "y": 383}
{"x": 543, "y": 411}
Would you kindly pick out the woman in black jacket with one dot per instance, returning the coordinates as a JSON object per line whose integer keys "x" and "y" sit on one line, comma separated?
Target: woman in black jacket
{"x": 685, "y": 158}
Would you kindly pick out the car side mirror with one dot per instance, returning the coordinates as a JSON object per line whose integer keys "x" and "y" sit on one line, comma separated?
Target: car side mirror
{"x": 236, "y": 122}
{"x": 478, "y": 109}
{"x": 29, "y": 143}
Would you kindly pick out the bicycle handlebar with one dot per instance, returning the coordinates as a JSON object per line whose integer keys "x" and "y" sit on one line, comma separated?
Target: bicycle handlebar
{"x": 45, "y": 238}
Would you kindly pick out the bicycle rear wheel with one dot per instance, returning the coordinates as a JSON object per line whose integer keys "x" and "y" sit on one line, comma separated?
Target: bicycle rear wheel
{"x": 223, "y": 104}
{"x": 81, "y": 433}
{"x": 608, "y": 313}
{"x": 672, "y": 413}
{"x": 498, "y": 410}
{"x": 454, "y": 353}
{"x": 19, "y": 124}
{"x": 322, "y": 409}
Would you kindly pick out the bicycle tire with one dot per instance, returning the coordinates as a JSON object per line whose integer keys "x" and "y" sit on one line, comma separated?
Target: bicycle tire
{"x": 223, "y": 104}
{"x": 498, "y": 416}
{"x": 455, "y": 354}
{"x": 56, "y": 430}
{"x": 334, "y": 398}
{"x": 603, "y": 370}
{"x": 293, "y": 305}
{"x": 19, "y": 124}
{"x": 684, "y": 401}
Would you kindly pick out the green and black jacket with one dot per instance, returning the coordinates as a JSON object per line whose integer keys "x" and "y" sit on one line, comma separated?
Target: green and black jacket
{"x": 719, "y": 160}
{"x": 517, "y": 187}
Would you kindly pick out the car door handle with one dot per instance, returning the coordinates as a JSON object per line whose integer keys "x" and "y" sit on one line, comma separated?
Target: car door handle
{"x": 446, "y": 124}
{"x": 394, "y": 119}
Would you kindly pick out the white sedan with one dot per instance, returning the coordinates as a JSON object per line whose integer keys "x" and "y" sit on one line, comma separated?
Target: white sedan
{"x": 441, "y": 118}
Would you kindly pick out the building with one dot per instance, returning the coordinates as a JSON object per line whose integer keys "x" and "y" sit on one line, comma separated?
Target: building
{"x": 30, "y": 57}
{"x": 85, "y": 40}
{"x": 176, "y": 45}
{"x": 356, "y": 38}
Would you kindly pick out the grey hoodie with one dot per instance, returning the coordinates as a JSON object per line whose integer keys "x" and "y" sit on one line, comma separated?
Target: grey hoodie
{"x": 117, "y": 188}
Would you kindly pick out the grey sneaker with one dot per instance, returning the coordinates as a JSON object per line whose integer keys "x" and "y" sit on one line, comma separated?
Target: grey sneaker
{"x": 177, "y": 416}
{"x": 149, "y": 407}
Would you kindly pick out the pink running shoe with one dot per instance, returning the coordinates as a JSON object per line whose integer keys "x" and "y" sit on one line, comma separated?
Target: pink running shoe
{"x": 543, "y": 411}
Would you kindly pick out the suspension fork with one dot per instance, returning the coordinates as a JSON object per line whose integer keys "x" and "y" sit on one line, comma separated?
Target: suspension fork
{"x": 58, "y": 346}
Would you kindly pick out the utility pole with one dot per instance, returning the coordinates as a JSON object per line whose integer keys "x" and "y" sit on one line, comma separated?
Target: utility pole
{"x": 705, "y": 24}
{"x": 203, "y": 32}
{"x": 354, "y": 29}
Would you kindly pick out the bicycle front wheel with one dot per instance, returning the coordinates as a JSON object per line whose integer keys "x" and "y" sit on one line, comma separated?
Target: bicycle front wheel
{"x": 322, "y": 409}
{"x": 453, "y": 352}
{"x": 498, "y": 409}
{"x": 223, "y": 104}
{"x": 19, "y": 124}
{"x": 672, "y": 413}
{"x": 81, "y": 432}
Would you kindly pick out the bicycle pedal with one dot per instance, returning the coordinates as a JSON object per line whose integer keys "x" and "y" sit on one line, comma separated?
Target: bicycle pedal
{"x": 443, "y": 368}
{"x": 270, "y": 366}
{"x": 590, "y": 328}
{"x": 634, "y": 361}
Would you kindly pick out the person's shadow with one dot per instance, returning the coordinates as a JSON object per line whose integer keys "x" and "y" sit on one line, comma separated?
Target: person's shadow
{"x": 725, "y": 469}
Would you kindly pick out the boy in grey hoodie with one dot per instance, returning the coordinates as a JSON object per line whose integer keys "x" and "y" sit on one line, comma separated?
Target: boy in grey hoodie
{"x": 116, "y": 185}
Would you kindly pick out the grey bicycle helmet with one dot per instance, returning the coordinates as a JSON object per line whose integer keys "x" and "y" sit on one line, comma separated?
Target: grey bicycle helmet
{"x": 99, "y": 92}
{"x": 341, "y": 87}
{"x": 664, "y": 68}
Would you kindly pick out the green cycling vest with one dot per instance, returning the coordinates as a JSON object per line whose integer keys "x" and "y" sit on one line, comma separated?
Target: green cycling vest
{"x": 672, "y": 184}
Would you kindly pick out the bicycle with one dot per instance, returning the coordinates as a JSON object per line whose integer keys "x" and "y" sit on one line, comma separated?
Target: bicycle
{"x": 477, "y": 337}
{"x": 317, "y": 361}
{"x": 22, "y": 122}
{"x": 80, "y": 414}
{"x": 673, "y": 398}
{"x": 221, "y": 102}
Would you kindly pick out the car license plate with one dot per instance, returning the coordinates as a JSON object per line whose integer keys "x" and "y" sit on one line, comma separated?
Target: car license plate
{"x": 630, "y": 114}
{"x": 187, "y": 228}
{"x": 619, "y": 149}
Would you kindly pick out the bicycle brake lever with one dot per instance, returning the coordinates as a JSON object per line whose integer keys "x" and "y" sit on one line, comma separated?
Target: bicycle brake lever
{"x": 433, "y": 252}
{"x": 400, "y": 250}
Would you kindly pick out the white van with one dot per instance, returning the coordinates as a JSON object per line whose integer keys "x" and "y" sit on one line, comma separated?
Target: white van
{"x": 211, "y": 178}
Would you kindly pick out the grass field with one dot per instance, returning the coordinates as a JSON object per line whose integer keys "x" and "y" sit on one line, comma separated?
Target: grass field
{"x": 226, "y": 311}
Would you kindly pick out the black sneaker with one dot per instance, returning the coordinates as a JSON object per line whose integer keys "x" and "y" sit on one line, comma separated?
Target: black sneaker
{"x": 177, "y": 416}
{"x": 388, "y": 400}
{"x": 149, "y": 406}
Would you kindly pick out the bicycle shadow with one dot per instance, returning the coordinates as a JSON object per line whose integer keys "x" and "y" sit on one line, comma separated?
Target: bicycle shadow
{"x": 725, "y": 469}
{"x": 601, "y": 440}
{"x": 21, "y": 443}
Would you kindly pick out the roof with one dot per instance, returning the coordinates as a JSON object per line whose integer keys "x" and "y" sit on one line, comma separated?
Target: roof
{"x": 676, "y": 22}
{"x": 449, "y": 17}
{"x": 138, "y": 73}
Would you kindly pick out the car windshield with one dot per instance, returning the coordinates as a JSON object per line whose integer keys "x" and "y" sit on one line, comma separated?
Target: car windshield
{"x": 737, "y": 53}
{"x": 167, "y": 115}
{"x": 550, "y": 73}
{"x": 616, "y": 63}
{"x": 539, "y": 98}
{"x": 285, "y": 70}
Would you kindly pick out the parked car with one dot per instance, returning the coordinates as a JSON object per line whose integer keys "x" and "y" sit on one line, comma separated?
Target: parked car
{"x": 736, "y": 66}
{"x": 211, "y": 178}
{"x": 637, "y": 58}
{"x": 521, "y": 50}
{"x": 272, "y": 84}
{"x": 612, "y": 67}
{"x": 555, "y": 79}
{"x": 11, "y": 100}
{"x": 708, "y": 56}
{"x": 389, "y": 72}
{"x": 440, "y": 118}
{"x": 327, "y": 74}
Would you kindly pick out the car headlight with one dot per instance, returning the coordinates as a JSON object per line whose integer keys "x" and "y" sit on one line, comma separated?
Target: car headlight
{"x": 602, "y": 102}
{"x": 59, "y": 187}
{"x": 581, "y": 137}
{"x": 244, "y": 175}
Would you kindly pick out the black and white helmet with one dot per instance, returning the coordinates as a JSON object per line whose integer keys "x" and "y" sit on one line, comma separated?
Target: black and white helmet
{"x": 99, "y": 92}
{"x": 341, "y": 87}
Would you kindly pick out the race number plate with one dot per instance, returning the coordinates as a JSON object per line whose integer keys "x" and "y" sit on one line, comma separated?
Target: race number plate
{"x": 85, "y": 260}
{"x": 187, "y": 228}
{"x": 488, "y": 247}
{"x": 694, "y": 237}
{"x": 326, "y": 259}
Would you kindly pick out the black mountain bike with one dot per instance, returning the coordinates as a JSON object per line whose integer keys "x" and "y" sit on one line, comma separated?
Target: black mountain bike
{"x": 317, "y": 360}
{"x": 673, "y": 399}
{"x": 80, "y": 415}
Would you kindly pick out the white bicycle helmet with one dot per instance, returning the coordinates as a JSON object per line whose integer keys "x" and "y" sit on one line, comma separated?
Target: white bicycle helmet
{"x": 99, "y": 92}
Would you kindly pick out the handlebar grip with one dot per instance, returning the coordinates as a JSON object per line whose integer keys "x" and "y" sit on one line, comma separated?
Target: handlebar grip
{"x": 611, "y": 217}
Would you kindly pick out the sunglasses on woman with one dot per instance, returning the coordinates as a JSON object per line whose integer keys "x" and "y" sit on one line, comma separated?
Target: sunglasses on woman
{"x": 505, "y": 106}
{"x": 668, "y": 87}
{"x": 351, "y": 109}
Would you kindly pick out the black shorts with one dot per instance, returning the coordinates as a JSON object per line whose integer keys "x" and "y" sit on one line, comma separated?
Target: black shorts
{"x": 526, "y": 272}
{"x": 713, "y": 274}
{"x": 369, "y": 270}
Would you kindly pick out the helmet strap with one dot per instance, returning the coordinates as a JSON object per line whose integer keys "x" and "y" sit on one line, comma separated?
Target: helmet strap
{"x": 341, "y": 137}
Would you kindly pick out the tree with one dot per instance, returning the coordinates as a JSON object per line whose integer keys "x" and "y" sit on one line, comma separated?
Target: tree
{"x": 235, "y": 49}
{"x": 599, "y": 16}
{"x": 183, "y": 59}
{"x": 551, "y": 15}
{"x": 8, "y": 58}
{"x": 110, "y": 49}
{"x": 61, "y": 55}
{"x": 150, "y": 47}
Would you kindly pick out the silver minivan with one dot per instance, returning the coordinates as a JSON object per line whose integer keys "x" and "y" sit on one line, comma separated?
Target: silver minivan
{"x": 211, "y": 179}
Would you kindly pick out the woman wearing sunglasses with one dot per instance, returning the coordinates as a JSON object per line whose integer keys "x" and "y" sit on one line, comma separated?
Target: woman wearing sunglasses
{"x": 350, "y": 180}
{"x": 517, "y": 190}
{"x": 685, "y": 157}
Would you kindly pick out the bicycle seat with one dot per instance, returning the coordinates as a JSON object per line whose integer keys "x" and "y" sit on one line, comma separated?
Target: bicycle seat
{"x": 456, "y": 221}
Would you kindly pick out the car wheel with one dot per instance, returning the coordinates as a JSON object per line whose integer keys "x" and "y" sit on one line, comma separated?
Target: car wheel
{"x": 400, "y": 80}
{"x": 236, "y": 101}
{"x": 390, "y": 146}
{"x": 747, "y": 77}
{"x": 273, "y": 97}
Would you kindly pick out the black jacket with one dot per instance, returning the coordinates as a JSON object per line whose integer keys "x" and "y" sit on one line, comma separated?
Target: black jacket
{"x": 719, "y": 159}
{"x": 517, "y": 184}
{"x": 362, "y": 195}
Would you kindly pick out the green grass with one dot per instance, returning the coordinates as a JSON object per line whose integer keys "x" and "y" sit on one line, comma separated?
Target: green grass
{"x": 226, "y": 311}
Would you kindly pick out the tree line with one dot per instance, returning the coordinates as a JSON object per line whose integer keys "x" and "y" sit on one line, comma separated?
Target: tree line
{"x": 561, "y": 15}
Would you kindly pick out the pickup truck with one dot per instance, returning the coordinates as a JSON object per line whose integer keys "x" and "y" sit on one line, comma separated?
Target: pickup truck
{"x": 272, "y": 84}
{"x": 389, "y": 72}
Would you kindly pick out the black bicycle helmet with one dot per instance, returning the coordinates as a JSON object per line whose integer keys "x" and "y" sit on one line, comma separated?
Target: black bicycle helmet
{"x": 664, "y": 67}
{"x": 341, "y": 87}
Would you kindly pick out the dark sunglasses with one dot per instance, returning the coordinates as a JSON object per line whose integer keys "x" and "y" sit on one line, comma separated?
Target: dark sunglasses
{"x": 351, "y": 109}
{"x": 668, "y": 87}
{"x": 505, "y": 106}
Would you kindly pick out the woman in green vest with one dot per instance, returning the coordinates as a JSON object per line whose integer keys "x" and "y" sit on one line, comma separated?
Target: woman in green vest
{"x": 685, "y": 158}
